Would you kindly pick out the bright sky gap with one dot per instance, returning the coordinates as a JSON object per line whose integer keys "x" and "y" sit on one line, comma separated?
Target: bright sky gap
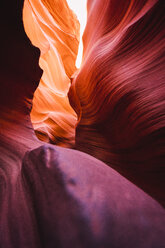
{"x": 79, "y": 8}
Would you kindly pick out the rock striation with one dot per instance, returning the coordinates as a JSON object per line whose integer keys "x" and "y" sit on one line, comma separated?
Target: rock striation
{"x": 52, "y": 196}
{"x": 54, "y": 29}
{"x": 119, "y": 92}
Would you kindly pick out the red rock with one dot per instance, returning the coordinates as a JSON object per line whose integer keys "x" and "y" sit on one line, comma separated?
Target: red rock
{"x": 57, "y": 197}
{"x": 120, "y": 90}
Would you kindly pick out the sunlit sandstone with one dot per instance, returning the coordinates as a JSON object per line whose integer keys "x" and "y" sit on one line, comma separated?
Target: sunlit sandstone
{"x": 54, "y": 28}
{"x": 56, "y": 197}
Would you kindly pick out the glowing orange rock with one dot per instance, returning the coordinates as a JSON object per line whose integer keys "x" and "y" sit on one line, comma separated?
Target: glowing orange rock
{"x": 52, "y": 196}
{"x": 54, "y": 28}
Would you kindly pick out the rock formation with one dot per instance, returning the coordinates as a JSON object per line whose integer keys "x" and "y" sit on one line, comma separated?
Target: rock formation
{"x": 119, "y": 93}
{"x": 54, "y": 28}
{"x": 52, "y": 196}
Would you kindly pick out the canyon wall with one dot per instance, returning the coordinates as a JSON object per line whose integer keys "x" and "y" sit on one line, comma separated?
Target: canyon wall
{"x": 54, "y": 29}
{"x": 51, "y": 196}
{"x": 119, "y": 92}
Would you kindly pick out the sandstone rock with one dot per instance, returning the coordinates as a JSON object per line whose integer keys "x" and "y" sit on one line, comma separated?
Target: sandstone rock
{"x": 54, "y": 28}
{"x": 119, "y": 90}
{"x": 52, "y": 196}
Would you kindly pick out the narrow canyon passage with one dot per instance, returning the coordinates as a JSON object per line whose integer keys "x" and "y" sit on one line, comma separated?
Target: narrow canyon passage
{"x": 107, "y": 192}
{"x": 55, "y": 30}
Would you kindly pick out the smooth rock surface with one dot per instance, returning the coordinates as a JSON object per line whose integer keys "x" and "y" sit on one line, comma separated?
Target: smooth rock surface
{"x": 119, "y": 92}
{"x": 52, "y": 196}
{"x": 54, "y": 29}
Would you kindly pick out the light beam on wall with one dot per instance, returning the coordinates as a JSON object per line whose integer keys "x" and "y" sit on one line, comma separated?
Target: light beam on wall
{"x": 79, "y": 7}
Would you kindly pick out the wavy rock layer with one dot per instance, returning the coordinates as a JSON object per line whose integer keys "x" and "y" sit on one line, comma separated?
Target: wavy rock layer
{"x": 52, "y": 27}
{"x": 52, "y": 196}
{"x": 119, "y": 93}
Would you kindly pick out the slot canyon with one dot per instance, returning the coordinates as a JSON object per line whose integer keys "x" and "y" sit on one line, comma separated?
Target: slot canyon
{"x": 82, "y": 132}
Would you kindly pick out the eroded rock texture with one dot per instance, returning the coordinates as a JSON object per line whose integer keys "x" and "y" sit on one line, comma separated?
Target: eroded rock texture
{"x": 119, "y": 93}
{"x": 52, "y": 27}
{"x": 52, "y": 196}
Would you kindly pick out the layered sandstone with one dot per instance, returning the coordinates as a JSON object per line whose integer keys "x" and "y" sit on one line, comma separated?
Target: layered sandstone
{"x": 54, "y": 29}
{"x": 56, "y": 197}
{"x": 119, "y": 92}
